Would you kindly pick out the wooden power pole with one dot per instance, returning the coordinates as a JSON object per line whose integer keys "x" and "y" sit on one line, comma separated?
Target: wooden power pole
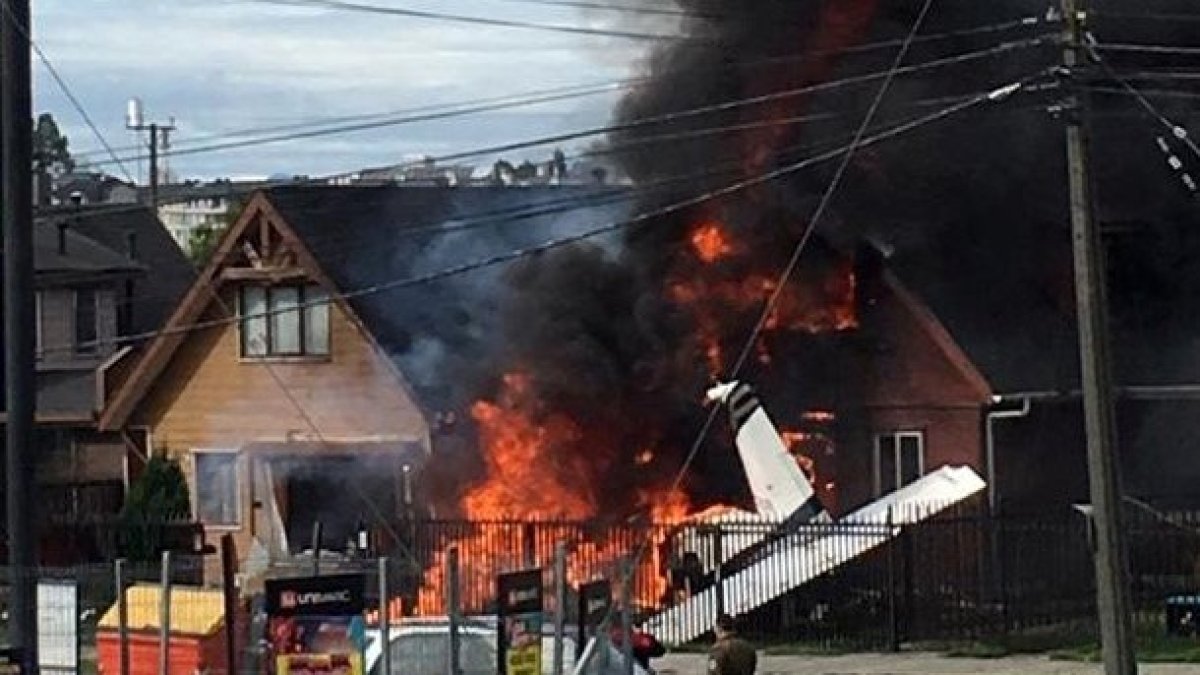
{"x": 1110, "y": 555}
{"x": 16, "y": 203}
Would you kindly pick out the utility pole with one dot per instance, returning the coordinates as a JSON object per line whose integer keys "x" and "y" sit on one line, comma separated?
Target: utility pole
{"x": 1110, "y": 554}
{"x": 135, "y": 121}
{"x": 16, "y": 201}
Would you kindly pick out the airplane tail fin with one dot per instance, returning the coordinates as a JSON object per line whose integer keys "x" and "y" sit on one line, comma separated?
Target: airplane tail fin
{"x": 780, "y": 489}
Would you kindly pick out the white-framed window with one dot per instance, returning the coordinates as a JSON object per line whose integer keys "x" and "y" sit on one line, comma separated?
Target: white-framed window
{"x": 86, "y": 315}
{"x": 284, "y": 321}
{"x": 217, "y": 487}
{"x": 899, "y": 459}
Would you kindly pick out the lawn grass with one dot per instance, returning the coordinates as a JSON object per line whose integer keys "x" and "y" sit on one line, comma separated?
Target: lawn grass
{"x": 1074, "y": 643}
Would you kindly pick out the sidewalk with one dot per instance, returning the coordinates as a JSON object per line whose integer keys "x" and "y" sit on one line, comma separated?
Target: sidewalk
{"x": 908, "y": 664}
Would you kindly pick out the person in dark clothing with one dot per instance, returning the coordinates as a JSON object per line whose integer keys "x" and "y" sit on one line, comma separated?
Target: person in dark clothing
{"x": 730, "y": 655}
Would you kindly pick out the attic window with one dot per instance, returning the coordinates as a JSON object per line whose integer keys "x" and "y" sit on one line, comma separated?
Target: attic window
{"x": 284, "y": 321}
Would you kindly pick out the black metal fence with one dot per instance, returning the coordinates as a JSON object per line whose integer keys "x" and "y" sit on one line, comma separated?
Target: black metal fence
{"x": 960, "y": 576}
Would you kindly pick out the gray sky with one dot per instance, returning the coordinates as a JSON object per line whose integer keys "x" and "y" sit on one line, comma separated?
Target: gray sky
{"x": 223, "y": 65}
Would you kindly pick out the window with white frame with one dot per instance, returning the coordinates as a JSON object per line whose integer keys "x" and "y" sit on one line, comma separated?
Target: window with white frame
{"x": 217, "y": 493}
{"x": 284, "y": 321}
{"x": 899, "y": 460}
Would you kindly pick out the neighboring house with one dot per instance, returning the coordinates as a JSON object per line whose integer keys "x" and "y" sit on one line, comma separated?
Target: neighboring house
{"x": 281, "y": 421}
{"x": 80, "y": 188}
{"x": 103, "y": 273}
{"x": 1006, "y": 298}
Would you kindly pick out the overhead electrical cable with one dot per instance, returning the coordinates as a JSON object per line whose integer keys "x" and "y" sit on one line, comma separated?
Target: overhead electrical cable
{"x": 1178, "y": 131}
{"x": 723, "y": 106}
{"x": 66, "y": 90}
{"x": 475, "y": 20}
{"x": 641, "y": 218}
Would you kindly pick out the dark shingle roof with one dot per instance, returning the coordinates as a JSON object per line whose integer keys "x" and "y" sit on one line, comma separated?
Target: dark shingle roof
{"x": 365, "y": 236}
{"x": 1008, "y": 300}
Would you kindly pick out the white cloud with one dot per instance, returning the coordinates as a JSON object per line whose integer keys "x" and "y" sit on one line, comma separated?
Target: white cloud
{"x": 220, "y": 66}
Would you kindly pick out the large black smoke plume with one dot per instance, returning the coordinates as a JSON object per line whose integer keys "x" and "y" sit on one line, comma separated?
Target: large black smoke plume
{"x": 973, "y": 204}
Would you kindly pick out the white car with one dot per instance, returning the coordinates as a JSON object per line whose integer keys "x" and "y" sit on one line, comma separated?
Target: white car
{"x": 421, "y": 647}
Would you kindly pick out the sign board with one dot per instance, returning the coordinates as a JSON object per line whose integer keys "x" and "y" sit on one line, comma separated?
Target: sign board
{"x": 519, "y": 598}
{"x": 315, "y": 624}
{"x": 10, "y": 662}
{"x": 595, "y": 602}
{"x": 58, "y": 626}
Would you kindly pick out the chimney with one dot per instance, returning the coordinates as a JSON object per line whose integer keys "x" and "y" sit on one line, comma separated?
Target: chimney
{"x": 62, "y": 238}
{"x": 131, "y": 244}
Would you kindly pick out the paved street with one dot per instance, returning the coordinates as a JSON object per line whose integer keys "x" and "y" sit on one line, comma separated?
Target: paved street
{"x": 908, "y": 664}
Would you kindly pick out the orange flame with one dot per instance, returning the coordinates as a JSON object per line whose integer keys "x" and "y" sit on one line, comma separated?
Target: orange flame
{"x": 809, "y": 306}
{"x": 710, "y": 242}
{"x": 535, "y": 474}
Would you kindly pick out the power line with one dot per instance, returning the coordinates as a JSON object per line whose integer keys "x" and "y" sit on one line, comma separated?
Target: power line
{"x": 567, "y": 204}
{"x": 805, "y": 237}
{"x": 374, "y": 289}
{"x": 578, "y": 89}
{"x": 1149, "y": 49}
{"x": 560, "y": 205}
{"x": 789, "y": 269}
{"x": 474, "y": 20}
{"x": 1135, "y": 16}
{"x": 363, "y": 126}
{"x": 66, "y": 90}
{"x": 587, "y": 89}
{"x": 665, "y": 117}
{"x": 1176, "y": 130}
{"x": 1157, "y": 93}
{"x": 626, "y": 9}
{"x": 576, "y": 135}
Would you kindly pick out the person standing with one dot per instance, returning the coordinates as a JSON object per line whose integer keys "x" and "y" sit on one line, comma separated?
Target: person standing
{"x": 730, "y": 655}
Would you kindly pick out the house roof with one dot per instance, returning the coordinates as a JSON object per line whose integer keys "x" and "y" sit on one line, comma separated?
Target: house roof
{"x": 1008, "y": 300}
{"x": 75, "y": 254}
{"x": 362, "y": 238}
{"x": 366, "y": 236}
{"x": 167, "y": 271}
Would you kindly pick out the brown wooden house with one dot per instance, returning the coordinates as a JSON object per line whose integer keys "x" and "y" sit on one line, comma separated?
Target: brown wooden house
{"x": 288, "y": 416}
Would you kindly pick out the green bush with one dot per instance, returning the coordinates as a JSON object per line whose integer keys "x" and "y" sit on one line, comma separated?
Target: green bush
{"x": 159, "y": 497}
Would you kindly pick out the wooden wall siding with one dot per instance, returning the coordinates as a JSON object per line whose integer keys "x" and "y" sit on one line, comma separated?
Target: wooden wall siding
{"x": 208, "y": 397}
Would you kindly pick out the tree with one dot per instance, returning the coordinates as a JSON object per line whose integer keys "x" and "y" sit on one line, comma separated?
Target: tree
{"x": 204, "y": 239}
{"x": 51, "y": 149}
{"x": 158, "y": 497}
{"x": 201, "y": 243}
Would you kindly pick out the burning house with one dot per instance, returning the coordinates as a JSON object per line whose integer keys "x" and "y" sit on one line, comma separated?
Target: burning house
{"x": 566, "y": 387}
